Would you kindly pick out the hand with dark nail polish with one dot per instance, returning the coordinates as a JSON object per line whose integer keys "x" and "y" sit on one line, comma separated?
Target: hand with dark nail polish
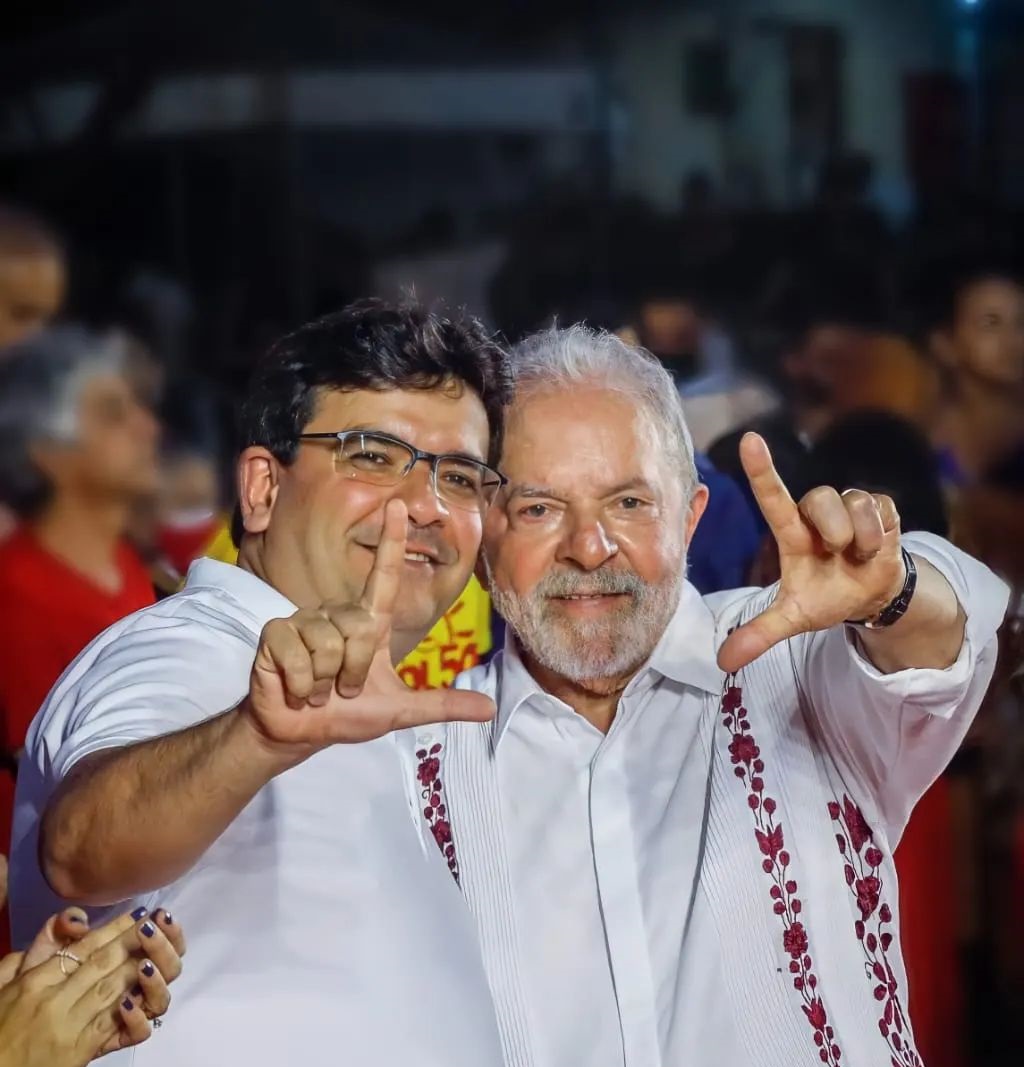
{"x": 75, "y": 1015}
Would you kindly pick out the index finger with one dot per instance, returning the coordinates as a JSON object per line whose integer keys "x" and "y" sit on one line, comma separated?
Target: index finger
{"x": 381, "y": 590}
{"x": 770, "y": 492}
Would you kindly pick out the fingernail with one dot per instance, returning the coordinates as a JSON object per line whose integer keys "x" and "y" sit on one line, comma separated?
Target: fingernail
{"x": 148, "y": 969}
{"x": 136, "y": 990}
{"x": 139, "y": 913}
{"x": 148, "y": 929}
{"x": 128, "y": 1004}
{"x": 167, "y": 918}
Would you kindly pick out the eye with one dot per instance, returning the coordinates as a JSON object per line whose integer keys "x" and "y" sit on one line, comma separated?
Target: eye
{"x": 630, "y": 503}
{"x": 368, "y": 457}
{"x": 534, "y": 511}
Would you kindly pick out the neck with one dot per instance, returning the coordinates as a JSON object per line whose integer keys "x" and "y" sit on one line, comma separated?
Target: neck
{"x": 596, "y": 699}
{"x": 85, "y": 534}
{"x": 984, "y": 424}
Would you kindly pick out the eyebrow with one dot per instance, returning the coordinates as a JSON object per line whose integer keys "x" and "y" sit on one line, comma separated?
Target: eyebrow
{"x": 543, "y": 491}
{"x": 362, "y": 427}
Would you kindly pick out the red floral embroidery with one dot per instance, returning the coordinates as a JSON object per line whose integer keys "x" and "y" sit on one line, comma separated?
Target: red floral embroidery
{"x": 861, "y": 869}
{"x": 435, "y": 811}
{"x": 746, "y": 756}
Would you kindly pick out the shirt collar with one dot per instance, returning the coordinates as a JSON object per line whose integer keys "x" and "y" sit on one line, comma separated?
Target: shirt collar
{"x": 686, "y": 653}
{"x": 261, "y": 602}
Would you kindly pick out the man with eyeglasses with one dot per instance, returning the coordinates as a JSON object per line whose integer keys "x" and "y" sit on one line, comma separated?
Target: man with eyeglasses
{"x": 232, "y": 750}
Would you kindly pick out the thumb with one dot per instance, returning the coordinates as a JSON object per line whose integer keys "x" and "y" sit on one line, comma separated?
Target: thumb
{"x": 425, "y": 706}
{"x": 753, "y": 639}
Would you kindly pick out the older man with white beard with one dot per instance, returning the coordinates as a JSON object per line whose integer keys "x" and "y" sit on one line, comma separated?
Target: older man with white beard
{"x": 676, "y": 836}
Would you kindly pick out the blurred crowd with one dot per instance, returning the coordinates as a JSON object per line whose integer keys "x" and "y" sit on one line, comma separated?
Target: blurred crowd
{"x": 869, "y": 358}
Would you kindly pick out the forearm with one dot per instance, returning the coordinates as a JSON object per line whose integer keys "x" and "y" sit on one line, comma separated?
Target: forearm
{"x": 134, "y": 819}
{"x": 929, "y": 635}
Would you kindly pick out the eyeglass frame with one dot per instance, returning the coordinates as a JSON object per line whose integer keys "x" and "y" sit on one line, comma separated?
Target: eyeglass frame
{"x": 418, "y": 454}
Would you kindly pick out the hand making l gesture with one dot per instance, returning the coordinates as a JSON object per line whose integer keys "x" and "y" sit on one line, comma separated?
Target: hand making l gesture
{"x": 325, "y": 675}
{"x": 839, "y": 555}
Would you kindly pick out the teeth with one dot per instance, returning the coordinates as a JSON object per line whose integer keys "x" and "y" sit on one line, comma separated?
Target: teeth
{"x": 418, "y": 557}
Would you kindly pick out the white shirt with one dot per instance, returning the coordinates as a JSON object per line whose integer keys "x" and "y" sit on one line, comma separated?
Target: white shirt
{"x": 640, "y": 928}
{"x": 323, "y": 926}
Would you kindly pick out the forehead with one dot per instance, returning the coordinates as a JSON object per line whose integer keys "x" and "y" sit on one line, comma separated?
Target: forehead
{"x": 992, "y": 293}
{"x": 99, "y": 384}
{"x": 581, "y": 442}
{"x": 37, "y": 277}
{"x": 449, "y": 418}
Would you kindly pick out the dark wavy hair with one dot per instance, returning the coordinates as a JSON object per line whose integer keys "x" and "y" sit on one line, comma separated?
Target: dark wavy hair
{"x": 370, "y": 344}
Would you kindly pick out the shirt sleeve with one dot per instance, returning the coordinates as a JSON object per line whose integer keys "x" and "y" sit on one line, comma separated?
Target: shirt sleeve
{"x": 895, "y": 733}
{"x": 143, "y": 682}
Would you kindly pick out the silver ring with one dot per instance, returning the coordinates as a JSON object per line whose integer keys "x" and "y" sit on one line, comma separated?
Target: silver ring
{"x": 64, "y": 955}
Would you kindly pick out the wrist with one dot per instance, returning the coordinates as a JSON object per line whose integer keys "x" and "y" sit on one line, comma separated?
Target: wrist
{"x": 260, "y": 751}
{"x": 898, "y": 601}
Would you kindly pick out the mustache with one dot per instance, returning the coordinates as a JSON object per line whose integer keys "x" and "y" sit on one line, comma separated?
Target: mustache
{"x": 596, "y": 583}
{"x": 425, "y": 538}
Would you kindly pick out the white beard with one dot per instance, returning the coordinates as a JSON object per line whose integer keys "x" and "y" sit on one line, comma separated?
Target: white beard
{"x": 590, "y": 649}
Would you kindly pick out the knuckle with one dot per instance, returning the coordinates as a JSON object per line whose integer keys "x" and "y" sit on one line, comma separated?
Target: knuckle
{"x": 33, "y": 983}
{"x": 273, "y": 631}
{"x": 107, "y": 988}
{"x": 296, "y": 661}
{"x": 168, "y": 964}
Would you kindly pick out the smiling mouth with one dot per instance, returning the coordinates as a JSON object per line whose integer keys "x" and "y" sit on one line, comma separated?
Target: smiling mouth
{"x": 419, "y": 557}
{"x": 590, "y": 596}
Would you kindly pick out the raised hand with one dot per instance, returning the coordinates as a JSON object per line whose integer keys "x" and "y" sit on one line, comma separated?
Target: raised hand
{"x": 839, "y": 556}
{"x": 325, "y": 676}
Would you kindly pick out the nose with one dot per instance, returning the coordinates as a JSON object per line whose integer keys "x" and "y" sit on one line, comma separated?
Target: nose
{"x": 421, "y": 499}
{"x": 587, "y": 545}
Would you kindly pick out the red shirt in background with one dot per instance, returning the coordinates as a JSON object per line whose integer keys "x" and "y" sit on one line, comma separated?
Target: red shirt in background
{"x": 49, "y": 612}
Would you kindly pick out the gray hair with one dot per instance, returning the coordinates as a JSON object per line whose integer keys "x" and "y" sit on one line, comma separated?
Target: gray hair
{"x": 41, "y": 382}
{"x": 580, "y": 355}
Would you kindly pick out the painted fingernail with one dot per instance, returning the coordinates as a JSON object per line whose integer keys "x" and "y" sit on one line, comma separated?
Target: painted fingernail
{"x": 127, "y": 1004}
{"x": 167, "y": 918}
{"x": 148, "y": 929}
{"x": 148, "y": 969}
{"x": 139, "y": 913}
{"x": 136, "y": 990}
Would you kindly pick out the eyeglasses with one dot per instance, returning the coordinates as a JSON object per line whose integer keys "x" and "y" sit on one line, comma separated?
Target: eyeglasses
{"x": 380, "y": 459}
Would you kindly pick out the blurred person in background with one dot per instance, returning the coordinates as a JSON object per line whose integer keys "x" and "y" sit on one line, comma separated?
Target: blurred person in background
{"x": 33, "y": 287}
{"x": 77, "y": 451}
{"x": 700, "y": 355}
{"x": 976, "y": 333}
{"x": 33, "y": 275}
{"x": 979, "y": 342}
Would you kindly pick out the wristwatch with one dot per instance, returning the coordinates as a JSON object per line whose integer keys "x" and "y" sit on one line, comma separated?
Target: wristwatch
{"x": 897, "y": 607}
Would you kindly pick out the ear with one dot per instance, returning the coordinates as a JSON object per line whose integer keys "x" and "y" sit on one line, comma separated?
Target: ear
{"x": 258, "y": 485}
{"x": 698, "y": 503}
